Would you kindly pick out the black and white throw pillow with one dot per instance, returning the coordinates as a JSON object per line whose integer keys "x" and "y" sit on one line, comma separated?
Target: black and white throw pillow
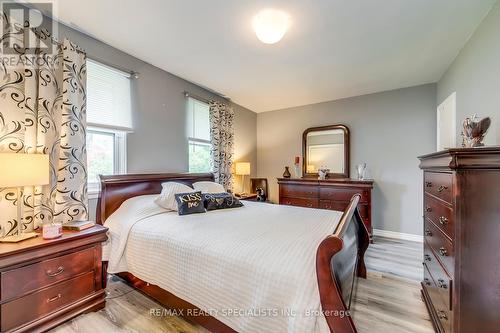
{"x": 190, "y": 203}
{"x": 223, "y": 200}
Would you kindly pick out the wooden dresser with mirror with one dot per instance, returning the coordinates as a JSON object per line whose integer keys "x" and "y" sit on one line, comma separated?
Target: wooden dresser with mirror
{"x": 327, "y": 146}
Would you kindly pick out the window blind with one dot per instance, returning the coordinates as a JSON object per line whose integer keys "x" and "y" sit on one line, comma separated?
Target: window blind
{"x": 198, "y": 120}
{"x": 108, "y": 97}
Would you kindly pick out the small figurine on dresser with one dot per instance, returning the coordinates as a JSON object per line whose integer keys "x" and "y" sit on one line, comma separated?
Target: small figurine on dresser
{"x": 474, "y": 130}
{"x": 323, "y": 172}
{"x": 261, "y": 194}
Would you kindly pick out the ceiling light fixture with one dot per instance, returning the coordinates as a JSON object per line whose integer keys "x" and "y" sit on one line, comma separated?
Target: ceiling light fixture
{"x": 270, "y": 25}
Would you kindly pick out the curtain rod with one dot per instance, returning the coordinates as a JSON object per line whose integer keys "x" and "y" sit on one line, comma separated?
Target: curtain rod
{"x": 202, "y": 99}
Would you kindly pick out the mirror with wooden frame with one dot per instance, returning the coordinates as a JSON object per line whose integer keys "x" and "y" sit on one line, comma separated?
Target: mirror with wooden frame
{"x": 326, "y": 147}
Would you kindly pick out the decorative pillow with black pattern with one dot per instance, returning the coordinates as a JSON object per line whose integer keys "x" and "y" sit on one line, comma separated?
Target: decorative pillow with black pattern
{"x": 190, "y": 203}
{"x": 223, "y": 200}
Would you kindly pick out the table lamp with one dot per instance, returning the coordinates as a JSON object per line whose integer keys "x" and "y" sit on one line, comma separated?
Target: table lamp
{"x": 19, "y": 170}
{"x": 243, "y": 169}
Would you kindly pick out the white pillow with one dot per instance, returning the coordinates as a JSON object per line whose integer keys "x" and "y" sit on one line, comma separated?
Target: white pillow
{"x": 166, "y": 199}
{"x": 209, "y": 187}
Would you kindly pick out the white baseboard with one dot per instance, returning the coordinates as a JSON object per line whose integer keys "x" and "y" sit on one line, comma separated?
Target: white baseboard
{"x": 398, "y": 235}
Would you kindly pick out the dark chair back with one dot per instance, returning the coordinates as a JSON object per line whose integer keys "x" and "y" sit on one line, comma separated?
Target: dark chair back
{"x": 255, "y": 183}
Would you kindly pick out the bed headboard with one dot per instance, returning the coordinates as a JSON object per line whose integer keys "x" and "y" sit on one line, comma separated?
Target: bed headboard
{"x": 118, "y": 188}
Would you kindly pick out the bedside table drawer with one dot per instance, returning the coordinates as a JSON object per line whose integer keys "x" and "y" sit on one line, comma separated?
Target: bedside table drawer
{"x": 45, "y": 301}
{"x": 19, "y": 281}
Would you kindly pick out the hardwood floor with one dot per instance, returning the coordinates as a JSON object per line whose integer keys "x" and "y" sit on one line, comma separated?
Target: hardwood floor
{"x": 387, "y": 302}
{"x": 389, "y": 299}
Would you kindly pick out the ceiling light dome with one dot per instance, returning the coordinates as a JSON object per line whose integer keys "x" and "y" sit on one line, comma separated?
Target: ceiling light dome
{"x": 270, "y": 25}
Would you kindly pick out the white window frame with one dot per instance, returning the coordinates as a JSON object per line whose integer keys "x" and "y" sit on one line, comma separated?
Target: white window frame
{"x": 197, "y": 141}
{"x": 119, "y": 158}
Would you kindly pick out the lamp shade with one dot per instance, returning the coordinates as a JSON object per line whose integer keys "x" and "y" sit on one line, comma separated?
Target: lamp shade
{"x": 23, "y": 169}
{"x": 243, "y": 168}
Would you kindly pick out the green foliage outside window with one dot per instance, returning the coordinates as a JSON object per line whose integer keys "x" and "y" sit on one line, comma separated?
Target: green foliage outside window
{"x": 199, "y": 157}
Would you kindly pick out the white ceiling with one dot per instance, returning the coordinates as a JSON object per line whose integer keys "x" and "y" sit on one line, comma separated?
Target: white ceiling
{"x": 334, "y": 48}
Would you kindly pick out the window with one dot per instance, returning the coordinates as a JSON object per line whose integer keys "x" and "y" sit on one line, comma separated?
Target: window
{"x": 106, "y": 154}
{"x": 198, "y": 135}
{"x": 108, "y": 121}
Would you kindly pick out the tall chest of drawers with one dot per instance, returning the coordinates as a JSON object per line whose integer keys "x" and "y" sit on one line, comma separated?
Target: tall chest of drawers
{"x": 461, "y": 213}
{"x": 333, "y": 194}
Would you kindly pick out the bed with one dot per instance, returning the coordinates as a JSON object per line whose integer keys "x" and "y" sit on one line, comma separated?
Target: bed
{"x": 261, "y": 267}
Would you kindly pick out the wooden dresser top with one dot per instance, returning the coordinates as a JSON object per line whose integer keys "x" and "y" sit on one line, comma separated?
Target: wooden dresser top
{"x": 332, "y": 181}
{"x": 8, "y": 249}
{"x": 462, "y": 158}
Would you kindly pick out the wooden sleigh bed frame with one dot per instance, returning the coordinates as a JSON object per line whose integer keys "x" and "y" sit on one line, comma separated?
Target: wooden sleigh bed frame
{"x": 339, "y": 257}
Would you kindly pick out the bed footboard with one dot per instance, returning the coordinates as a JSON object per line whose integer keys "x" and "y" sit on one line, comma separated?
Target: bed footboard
{"x": 339, "y": 260}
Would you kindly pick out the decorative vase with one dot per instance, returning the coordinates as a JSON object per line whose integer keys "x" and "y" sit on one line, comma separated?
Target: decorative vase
{"x": 297, "y": 171}
{"x": 296, "y": 167}
{"x": 287, "y": 174}
{"x": 361, "y": 168}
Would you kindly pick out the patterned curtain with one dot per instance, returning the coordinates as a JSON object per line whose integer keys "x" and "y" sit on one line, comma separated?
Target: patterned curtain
{"x": 43, "y": 110}
{"x": 222, "y": 138}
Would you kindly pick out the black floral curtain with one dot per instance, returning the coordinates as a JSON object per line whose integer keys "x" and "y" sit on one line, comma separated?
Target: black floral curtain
{"x": 43, "y": 110}
{"x": 222, "y": 138}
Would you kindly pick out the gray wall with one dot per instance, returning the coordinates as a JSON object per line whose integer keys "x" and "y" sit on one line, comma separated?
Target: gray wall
{"x": 475, "y": 77}
{"x": 388, "y": 131}
{"x": 159, "y": 141}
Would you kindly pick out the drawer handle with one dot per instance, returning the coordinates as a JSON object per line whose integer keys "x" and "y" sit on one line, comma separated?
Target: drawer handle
{"x": 428, "y": 184}
{"x": 59, "y": 270}
{"x": 427, "y": 257}
{"x": 428, "y": 209}
{"x": 443, "y": 252}
{"x": 427, "y": 282}
{"x": 442, "y": 315}
{"x": 53, "y": 299}
{"x": 442, "y": 284}
{"x": 428, "y": 232}
{"x": 309, "y": 205}
{"x": 443, "y": 220}
{"x": 442, "y": 188}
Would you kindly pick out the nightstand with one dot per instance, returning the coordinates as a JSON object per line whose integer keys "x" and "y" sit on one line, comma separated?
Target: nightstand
{"x": 46, "y": 282}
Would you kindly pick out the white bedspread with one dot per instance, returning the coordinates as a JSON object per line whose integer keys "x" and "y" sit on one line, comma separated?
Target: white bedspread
{"x": 253, "y": 268}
